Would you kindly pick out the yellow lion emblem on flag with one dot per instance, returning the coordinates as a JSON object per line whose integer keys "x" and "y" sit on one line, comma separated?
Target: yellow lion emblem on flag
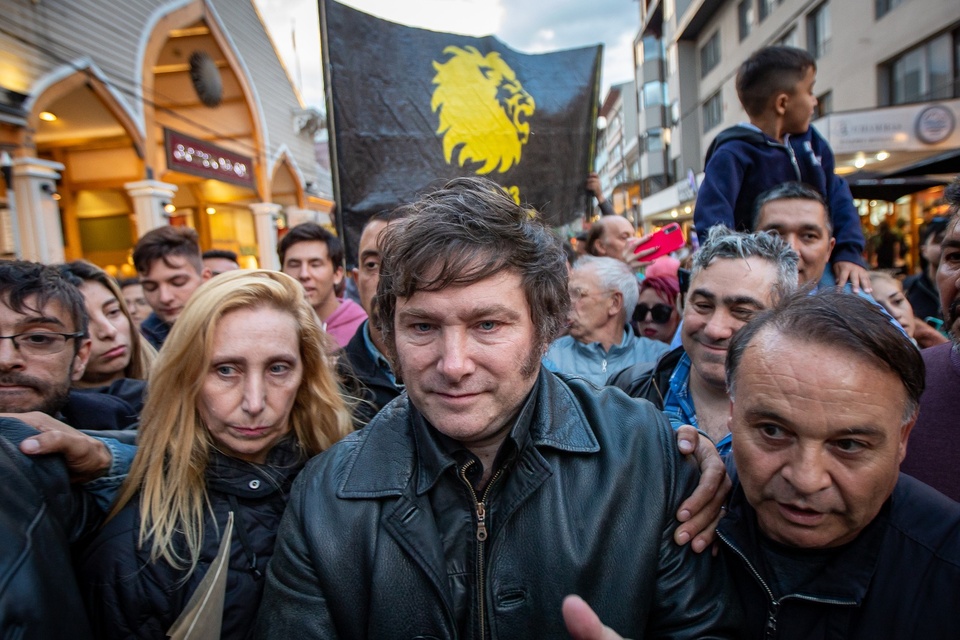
{"x": 484, "y": 111}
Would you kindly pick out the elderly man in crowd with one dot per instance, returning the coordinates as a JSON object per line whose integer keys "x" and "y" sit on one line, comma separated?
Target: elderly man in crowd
{"x": 735, "y": 276}
{"x": 935, "y": 445}
{"x": 473, "y": 503}
{"x": 603, "y": 295}
{"x": 824, "y": 537}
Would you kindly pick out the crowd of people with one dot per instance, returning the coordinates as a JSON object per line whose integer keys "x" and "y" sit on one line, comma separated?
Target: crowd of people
{"x": 496, "y": 438}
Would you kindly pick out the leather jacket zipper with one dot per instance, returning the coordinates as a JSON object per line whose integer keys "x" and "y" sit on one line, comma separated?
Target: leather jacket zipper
{"x": 770, "y": 631}
{"x": 480, "y": 507}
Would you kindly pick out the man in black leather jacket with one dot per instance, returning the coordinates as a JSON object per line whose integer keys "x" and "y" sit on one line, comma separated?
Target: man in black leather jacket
{"x": 43, "y": 514}
{"x": 824, "y": 537}
{"x": 472, "y": 504}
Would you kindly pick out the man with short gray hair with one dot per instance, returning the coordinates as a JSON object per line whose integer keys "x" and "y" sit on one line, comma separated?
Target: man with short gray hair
{"x": 603, "y": 295}
{"x": 735, "y": 276}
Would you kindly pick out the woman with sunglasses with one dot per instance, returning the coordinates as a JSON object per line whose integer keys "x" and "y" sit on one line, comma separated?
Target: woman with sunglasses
{"x": 656, "y": 315}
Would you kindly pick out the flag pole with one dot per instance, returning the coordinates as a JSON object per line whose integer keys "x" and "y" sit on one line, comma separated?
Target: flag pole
{"x": 331, "y": 123}
{"x": 594, "y": 110}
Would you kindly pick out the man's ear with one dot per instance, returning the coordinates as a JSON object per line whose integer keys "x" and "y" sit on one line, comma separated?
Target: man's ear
{"x": 905, "y": 435}
{"x": 80, "y": 360}
{"x": 355, "y": 273}
{"x": 338, "y": 276}
{"x": 206, "y": 274}
{"x": 616, "y": 304}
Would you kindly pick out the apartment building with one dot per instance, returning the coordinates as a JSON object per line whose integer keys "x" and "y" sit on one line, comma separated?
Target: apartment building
{"x": 617, "y": 150}
{"x": 888, "y": 84}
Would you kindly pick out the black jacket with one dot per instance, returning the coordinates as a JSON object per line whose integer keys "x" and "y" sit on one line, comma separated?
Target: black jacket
{"x": 923, "y": 296}
{"x": 364, "y": 378}
{"x": 382, "y": 536}
{"x": 640, "y": 381}
{"x": 155, "y": 330}
{"x": 40, "y": 516}
{"x": 898, "y": 580}
{"x": 127, "y": 596}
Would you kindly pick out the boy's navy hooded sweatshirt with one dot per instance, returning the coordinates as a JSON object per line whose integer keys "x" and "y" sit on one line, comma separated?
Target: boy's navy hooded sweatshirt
{"x": 743, "y": 162}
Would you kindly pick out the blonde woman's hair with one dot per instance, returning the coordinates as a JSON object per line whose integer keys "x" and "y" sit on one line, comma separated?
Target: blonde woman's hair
{"x": 142, "y": 353}
{"x": 168, "y": 471}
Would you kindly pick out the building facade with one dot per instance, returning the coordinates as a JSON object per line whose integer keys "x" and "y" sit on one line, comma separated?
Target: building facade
{"x": 118, "y": 117}
{"x": 888, "y": 85}
{"x": 618, "y": 150}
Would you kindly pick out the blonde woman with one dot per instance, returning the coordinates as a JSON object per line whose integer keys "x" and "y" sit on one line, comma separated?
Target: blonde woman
{"x": 120, "y": 358}
{"x": 239, "y": 398}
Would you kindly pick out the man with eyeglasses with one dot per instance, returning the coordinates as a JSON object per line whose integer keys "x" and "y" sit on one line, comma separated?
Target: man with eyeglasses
{"x": 735, "y": 276}
{"x": 603, "y": 295}
{"x": 43, "y": 348}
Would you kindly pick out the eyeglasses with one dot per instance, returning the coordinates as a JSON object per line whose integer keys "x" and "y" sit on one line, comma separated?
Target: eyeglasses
{"x": 661, "y": 312}
{"x": 580, "y": 294}
{"x": 41, "y": 343}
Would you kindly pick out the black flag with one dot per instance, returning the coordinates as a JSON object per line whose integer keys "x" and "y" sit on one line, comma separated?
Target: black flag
{"x": 409, "y": 109}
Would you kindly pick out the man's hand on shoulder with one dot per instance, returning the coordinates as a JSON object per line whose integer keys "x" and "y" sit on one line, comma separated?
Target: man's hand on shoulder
{"x": 583, "y": 624}
{"x": 701, "y": 512}
{"x": 86, "y": 458}
{"x": 857, "y": 276}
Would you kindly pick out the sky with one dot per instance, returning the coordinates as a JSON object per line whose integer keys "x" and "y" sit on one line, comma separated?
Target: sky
{"x": 528, "y": 26}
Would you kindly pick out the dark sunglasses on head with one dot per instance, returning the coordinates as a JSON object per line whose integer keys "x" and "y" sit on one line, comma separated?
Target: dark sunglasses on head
{"x": 660, "y": 312}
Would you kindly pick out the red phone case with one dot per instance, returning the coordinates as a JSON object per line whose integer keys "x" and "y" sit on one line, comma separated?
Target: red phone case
{"x": 668, "y": 239}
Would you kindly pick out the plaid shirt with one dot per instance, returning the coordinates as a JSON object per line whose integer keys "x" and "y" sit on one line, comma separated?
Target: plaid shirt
{"x": 678, "y": 403}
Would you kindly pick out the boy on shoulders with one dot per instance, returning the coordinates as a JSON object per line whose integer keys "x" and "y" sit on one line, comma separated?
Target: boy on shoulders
{"x": 778, "y": 145}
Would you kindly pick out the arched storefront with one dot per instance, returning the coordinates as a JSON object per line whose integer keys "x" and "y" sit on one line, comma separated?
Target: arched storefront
{"x": 193, "y": 121}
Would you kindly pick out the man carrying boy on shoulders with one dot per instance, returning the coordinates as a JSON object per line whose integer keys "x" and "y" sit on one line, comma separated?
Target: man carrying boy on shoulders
{"x": 778, "y": 145}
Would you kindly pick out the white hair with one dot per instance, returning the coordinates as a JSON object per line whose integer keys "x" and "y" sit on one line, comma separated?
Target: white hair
{"x": 614, "y": 275}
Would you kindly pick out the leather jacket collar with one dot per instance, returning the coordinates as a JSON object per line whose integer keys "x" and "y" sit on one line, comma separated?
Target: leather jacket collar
{"x": 848, "y": 576}
{"x": 390, "y": 451}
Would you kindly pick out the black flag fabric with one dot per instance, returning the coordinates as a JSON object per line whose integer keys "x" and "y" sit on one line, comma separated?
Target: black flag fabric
{"x": 409, "y": 109}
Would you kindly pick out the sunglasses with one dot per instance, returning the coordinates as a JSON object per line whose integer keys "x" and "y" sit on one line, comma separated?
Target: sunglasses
{"x": 660, "y": 312}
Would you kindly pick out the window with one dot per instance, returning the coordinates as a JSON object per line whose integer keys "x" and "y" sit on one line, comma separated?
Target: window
{"x": 654, "y": 94}
{"x": 652, "y": 48}
{"x": 788, "y": 39}
{"x": 824, "y": 105}
{"x": 766, "y": 8}
{"x": 745, "y": 17}
{"x": 653, "y": 141}
{"x": 926, "y": 72}
{"x": 886, "y": 6}
{"x": 712, "y": 112}
{"x": 818, "y": 31}
{"x": 710, "y": 54}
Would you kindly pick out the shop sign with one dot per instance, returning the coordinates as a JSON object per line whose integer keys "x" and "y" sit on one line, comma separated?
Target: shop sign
{"x": 919, "y": 127}
{"x": 207, "y": 160}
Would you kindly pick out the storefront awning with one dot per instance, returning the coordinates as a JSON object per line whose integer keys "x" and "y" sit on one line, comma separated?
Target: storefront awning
{"x": 873, "y": 186}
{"x": 944, "y": 163}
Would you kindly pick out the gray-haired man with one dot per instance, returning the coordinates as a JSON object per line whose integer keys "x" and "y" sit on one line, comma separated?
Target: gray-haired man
{"x": 735, "y": 276}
